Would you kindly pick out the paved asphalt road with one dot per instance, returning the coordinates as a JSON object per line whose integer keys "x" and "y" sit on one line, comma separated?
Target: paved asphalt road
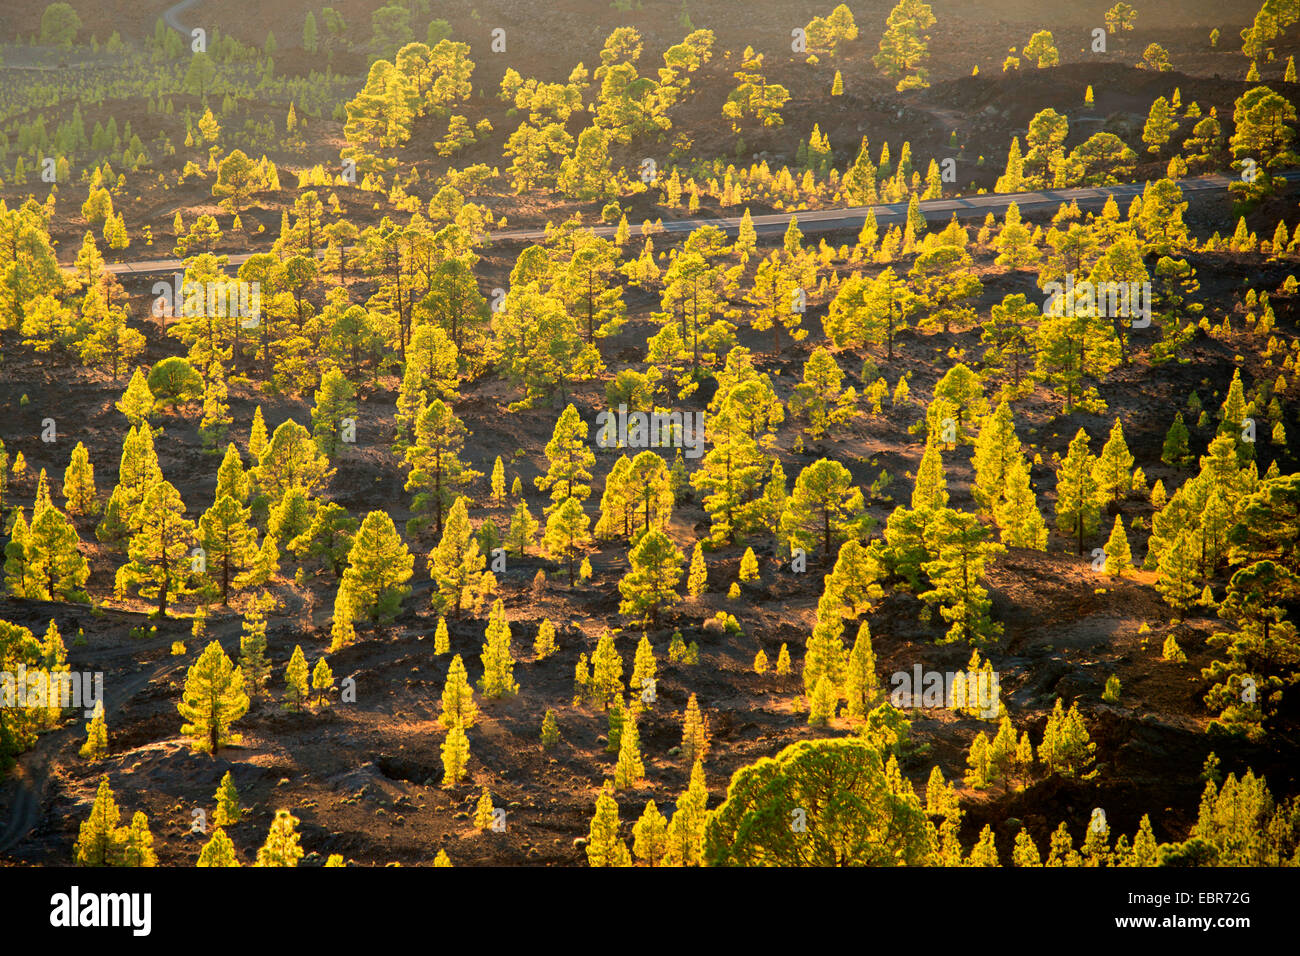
{"x": 828, "y": 220}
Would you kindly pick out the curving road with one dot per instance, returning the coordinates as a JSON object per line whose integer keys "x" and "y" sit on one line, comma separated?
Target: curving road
{"x": 171, "y": 19}
{"x": 825, "y": 220}
{"x": 24, "y": 790}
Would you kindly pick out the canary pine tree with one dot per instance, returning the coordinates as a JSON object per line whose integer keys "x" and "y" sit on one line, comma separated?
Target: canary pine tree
{"x": 229, "y": 543}
{"x": 1019, "y": 521}
{"x": 213, "y": 699}
{"x": 458, "y": 707}
{"x": 79, "y": 483}
{"x": 630, "y": 767}
{"x": 1078, "y": 509}
{"x": 1119, "y": 557}
{"x": 566, "y": 534}
{"x": 544, "y": 644}
{"x": 644, "y": 673}
{"x": 606, "y": 680}
{"x": 227, "y": 798}
{"x": 379, "y": 565}
{"x": 160, "y": 562}
{"x": 497, "y": 656}
{"x": 455, "y": 755}
{"x": 570, "y": 456}
{"x": 218, "y": 851}
{"x": 1113, "y": 472}
{"x": 695, "y": 732}
{"x": 456, "y": 565}
{"x": 281, "y": 847}
{"x": 98, "y": 841}
{"x": 96, "y": 745}
{"x": 604, "y": 846}
{"x": 861, "y": 686}
{"x": 698, "y": 577}
{"x": 296, "y": 688}
{"x": 650, "y": 585}
{"x": 437, "y": 471}
{"x": 55, "y": 569}
{"x": 824, "y": 509}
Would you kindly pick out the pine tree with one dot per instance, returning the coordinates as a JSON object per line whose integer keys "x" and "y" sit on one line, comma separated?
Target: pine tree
{"x": 861, "y": 685}
{"x": 159, "y": 551}
{"x": 229, "y": 544}
{"x": 456, "y": 565}
{"x": 498, "y": 482}
{"x": 1017, "y": 515}
{"x": 996, "y": 447}
{"x": 1118, "y": 556}
{"x": 630, "y": 768}
{"x": 1175, "y": 450}
{"x": 1025, "y": 852}
{"x": 544, "y": 644}
{"x": 650, "y": 836}
{"x": 961, "y": 549}
{"x": 978, "y": 767}
{"x": 1113, "y": 472}
{"x": 281, "y": 847}
{"x": 18, "y": 574}
{"x": 218, "y": 851}
{"x": 441, "y": 639}
{"x": 1066, "y": 747}
{"x": 79, "y": 483}
{"x": 824, "y": 509}
{"x": 55, "y": 569}
{"x": 498, "y": 660}
{"x": 566, "y": 533}
{"x": 1232, "y": 417}
{"x": 783, "y": 661}
{"x": 686, "y": 828}
{"x": 335, "y": 401}
{"x": 253, "y": 664}
{"x": 697, "y": 579}
{"x": 257, "y": 440}
{"x": 227, "y": 798}
{"x": 379, "y": 565}
{"x": 136, "y": 402}
{"x": 322, "y": 680}
{"x": 650, "y": 584}
{"x": 484, "y": 811}
{"x": 644, "y": 672}
{"x": 570, "y": 457}
{"x": 749, "y": 566}
{"x": 458, "y": 707}
{"x": 760, "y": 662}
{"x": 455, "y": 755}
{"x": 616, "y": 717}
{"x": 98, "y": 843}
{"x": 296, "y": 687}
{"x": 1177, "y": 574}
{"x": 550, "y": 729}
{"x": 96, "y": 745}
{"x": 604, "y": 847}
{"x": 695, "y": 732}
{"x": 213, "y": 699}
{"x": 606, "y": 681}
{"x": 437, "y": 471}
{"x": 1078, "y": 510}
{"x": 823, "y": 702}
{"x": 137, "y": 842}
